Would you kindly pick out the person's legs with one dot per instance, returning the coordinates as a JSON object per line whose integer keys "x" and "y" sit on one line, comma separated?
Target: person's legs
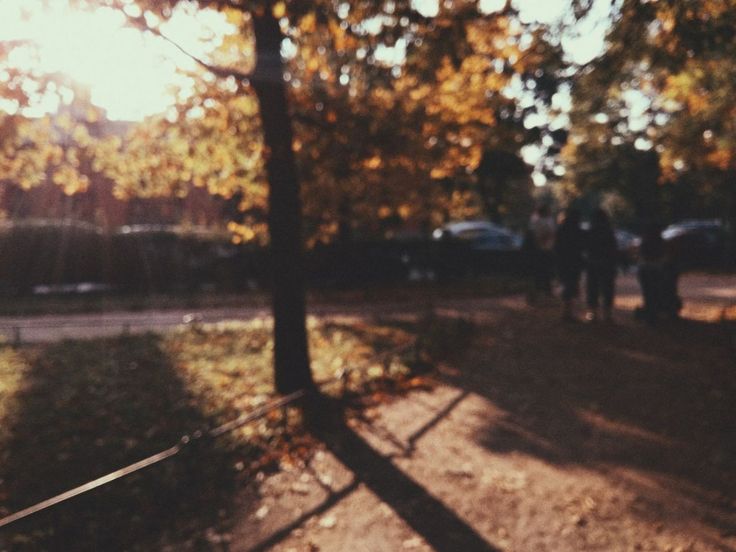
{"x": 570, "y": 278}
{"x": 541, "y": 266}
{"x": 592, "y": 287}
{"x": 649, "y": 281}
{"x": 608, "y": 282}
{"x": 542, "y": 273}
{"x": 670, "y": 302}
{"x": 531, "y": 269}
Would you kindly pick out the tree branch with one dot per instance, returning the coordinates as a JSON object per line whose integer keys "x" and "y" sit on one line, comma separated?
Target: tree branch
{"x": 140, "y": 23}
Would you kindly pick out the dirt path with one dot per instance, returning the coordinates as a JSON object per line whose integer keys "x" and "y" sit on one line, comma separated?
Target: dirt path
{"x": 535, "y": 436}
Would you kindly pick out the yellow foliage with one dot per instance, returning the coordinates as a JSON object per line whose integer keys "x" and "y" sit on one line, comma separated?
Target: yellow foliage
{"x": 241, "y": 233}
{"x": 93, "y": 115}
{"x": 69, "y": 180}
{"x": 308, "y": 23}
{"x": 341, "y": 39}
{"x": 420, "y": 93}
{"x": 72, "y": 157}
{"x": 279, "y": 10}
{"x": 438, "y": 173}
{"x": 720, "y": 158}
{"x": 64, "y": 122}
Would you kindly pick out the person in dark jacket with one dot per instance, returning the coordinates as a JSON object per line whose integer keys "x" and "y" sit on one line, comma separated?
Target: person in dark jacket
{"x": 538, "y": 248}
{"x": 569, "y": 245}
{"x": 542, "y": 225}
{"x": 658, "y": 274}
{"x": 602, "y": 253}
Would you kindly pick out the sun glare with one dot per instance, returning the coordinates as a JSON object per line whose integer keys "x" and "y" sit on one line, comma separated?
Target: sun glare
{"x": 130, "y": 74}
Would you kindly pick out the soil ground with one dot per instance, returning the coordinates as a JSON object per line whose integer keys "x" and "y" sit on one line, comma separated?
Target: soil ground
{"x": 533, "y": 435}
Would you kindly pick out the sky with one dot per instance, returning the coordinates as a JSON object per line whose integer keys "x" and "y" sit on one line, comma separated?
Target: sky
{"x": 129, "y": 73}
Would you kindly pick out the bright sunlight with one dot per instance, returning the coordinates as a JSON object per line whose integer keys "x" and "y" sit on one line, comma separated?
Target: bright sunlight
{"x": 129, "y": 73}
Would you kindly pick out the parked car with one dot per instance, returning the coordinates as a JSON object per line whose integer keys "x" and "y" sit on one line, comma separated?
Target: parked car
{"x": 628, "y": 248}
{"x": 482, "y": 235}
{"x": 364, "y": 262}
{"x": 476, "y": 247}
{"x": 697, "y": 243}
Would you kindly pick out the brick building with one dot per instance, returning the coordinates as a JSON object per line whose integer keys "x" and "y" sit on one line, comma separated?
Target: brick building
{"x": 98, "y": 205}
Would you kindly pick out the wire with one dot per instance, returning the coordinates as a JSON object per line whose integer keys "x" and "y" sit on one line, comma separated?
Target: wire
{"x": 104, "y": 480}
{"x": 151, "y": 460}
{"x": 186, "y": 440}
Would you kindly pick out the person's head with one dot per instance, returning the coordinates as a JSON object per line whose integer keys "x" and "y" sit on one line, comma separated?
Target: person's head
{"x": 600, "y": 218}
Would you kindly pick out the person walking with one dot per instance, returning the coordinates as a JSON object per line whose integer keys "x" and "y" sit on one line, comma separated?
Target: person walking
{"x": 658, "y": 274}
{"x": 569, "y": 245}
{"x": 541, "y": 234}
{"x": 600, "y": 277}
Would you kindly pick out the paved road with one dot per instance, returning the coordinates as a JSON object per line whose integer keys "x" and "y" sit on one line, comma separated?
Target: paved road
{"x": 700, "y": 292}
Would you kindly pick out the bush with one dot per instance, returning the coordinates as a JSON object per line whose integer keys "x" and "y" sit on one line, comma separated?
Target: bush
{"x": 61, "y": 254}
{"x": 49, "y": 252}
{"x": 169, "y": 258}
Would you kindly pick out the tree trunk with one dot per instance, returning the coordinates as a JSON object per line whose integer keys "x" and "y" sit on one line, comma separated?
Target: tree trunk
{"x": 489, "y": 191}
{"x": 344, "y": 221}
{"x": 731, "y": 219}
{"x": 291, "y": 356}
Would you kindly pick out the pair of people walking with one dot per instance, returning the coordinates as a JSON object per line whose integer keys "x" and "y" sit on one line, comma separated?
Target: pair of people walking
{"x": 574, "y": 250}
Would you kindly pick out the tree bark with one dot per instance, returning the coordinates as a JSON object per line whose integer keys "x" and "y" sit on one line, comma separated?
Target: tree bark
{"x": 731, "y": 219}
{"x": 291, "y": 355}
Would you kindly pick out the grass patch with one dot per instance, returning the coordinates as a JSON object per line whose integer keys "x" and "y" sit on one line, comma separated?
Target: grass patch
{"x": 73, "y": 411}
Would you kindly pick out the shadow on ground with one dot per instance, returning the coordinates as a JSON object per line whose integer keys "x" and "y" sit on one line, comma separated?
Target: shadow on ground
{"x": 614, "y": 398}
{"x": 87, "y": 408}
{"x": 611, "y": 398}
{"x": 437, "y": 524}
{"x": 331, "y": 422}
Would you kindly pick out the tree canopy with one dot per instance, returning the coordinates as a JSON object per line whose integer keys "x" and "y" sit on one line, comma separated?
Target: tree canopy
{"x": 666, "y": 84}
{"x": 393, "y": 111}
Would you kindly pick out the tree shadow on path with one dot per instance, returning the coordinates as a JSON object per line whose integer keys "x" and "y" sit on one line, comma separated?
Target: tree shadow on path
{"x": 614, "y": 398}
{"x": 438, "y": 525}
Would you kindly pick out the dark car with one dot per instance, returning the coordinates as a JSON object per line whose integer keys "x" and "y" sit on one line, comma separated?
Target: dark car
{"x": 697, "y": 243}
{"x": 476, "y": 247}
{"x": 481, "y": 235}
{"x": 628, "y": 248}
